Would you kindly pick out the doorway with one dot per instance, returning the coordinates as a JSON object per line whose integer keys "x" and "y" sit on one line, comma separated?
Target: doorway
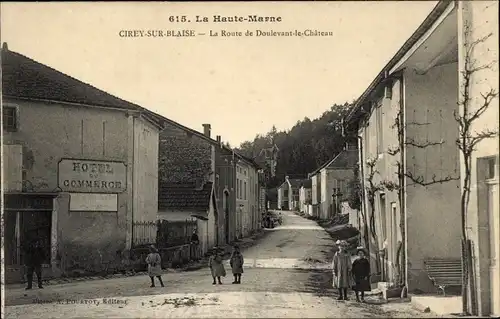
{"x": 22, "y": 228}
{"x": 394, "y": 236}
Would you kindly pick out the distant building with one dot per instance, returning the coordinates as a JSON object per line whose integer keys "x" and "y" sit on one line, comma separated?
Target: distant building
{"x": 187, "y": 156}
{"x": 305, "y": 197}
{"x": 330, "y": 183}
{"x": 288, "y": 194}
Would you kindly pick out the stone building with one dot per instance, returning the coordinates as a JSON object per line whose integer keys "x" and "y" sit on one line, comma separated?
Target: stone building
{"x": 80, "y": 167}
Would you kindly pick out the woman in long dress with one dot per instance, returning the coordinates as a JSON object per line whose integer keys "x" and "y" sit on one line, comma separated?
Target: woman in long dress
{"x": 154, "y": 265}
{"x": 342, "y": 266}
{"x": 361, "y": 274}
{"x": 216, "y": 266}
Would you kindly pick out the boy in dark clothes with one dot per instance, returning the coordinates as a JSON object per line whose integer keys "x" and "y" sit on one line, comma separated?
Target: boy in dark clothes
{"x": 33, "y": 263}
{"x": 361, "y": 274}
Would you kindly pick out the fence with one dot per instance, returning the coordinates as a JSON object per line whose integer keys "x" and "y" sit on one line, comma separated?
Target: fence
{"x": 174, "y": 233}
{"x": 163, "y": 233}
{"x": 172, "y": 238}
{"x": 144, "y": 233}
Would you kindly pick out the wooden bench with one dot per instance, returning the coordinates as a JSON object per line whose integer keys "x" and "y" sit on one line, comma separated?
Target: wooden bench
{"x": 444, "y": 272}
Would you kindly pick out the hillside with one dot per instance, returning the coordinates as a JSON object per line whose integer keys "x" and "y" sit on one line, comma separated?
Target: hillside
{"x": 303, "y": 148}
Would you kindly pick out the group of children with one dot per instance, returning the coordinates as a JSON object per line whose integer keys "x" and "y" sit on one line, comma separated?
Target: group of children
{"x": 346, "y": 274}
{"x": 217, "y": 267}
{"x": 355, "y": 275}
{"x": 215, "y": 263}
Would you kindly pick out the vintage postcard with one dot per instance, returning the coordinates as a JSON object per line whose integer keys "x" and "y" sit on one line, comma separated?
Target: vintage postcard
{"x": 320, "y": 159}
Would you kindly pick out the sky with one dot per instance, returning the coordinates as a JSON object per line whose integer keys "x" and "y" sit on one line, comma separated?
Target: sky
{"x": 242, "y": 86}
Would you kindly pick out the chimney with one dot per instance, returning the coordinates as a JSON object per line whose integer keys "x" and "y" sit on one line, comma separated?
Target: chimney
{"x": 5, "y": 47}
{"x": 286, "y": 178}
{"x": 218, "y": 138}
{"x": 206, "y": 130}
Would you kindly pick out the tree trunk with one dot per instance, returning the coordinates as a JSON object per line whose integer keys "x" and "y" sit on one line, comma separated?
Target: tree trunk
{"x": 472, "y": 286}
{"x": 465, "y": 276}
{"x": 465, "y": 251}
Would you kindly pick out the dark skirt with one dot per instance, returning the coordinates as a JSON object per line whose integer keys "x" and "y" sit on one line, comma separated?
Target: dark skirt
{"x": 362, "y": 284}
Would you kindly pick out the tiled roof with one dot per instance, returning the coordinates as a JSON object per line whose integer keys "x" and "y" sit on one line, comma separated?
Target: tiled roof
{"x": 23, "y": 77}
{"x": 346, "y": 159}
{"x": 296, "y": 182}
{"x": 184, "y": 196}
{"x": 307, "y": 183}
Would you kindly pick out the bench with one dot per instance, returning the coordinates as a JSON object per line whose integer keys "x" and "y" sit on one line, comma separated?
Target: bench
{"x": 444, "y": 272}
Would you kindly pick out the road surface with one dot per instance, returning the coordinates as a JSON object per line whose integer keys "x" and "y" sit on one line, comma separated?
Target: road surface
{"x": 286, "y": 276}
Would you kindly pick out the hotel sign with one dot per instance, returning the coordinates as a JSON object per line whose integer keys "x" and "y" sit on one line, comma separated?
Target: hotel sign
{"x": 89, "y": 176}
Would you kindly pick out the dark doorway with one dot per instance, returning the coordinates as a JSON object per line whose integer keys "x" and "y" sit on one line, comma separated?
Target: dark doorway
{"x": 21, "y": 229}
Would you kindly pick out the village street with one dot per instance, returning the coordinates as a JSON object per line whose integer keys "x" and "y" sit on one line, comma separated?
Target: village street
{"x": 286, "y": 275}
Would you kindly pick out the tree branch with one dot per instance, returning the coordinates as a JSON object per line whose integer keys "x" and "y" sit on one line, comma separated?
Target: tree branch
{"x": 418, "y": 124}
{"x": 434, "y": 180}
{"x": 411, "y": 142}
{"x": 487, "y": 98}
{"x": 478, "y": 137}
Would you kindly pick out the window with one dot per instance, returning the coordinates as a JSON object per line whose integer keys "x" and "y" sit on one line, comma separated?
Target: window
{"x": 9, "y": 114}
{"x": 237, "y": 188}
{"x": 245, "y": 190}
{"x": 241, "y": 189}
{"x": 492, "y": 163}
{"x": 379, "y": 128}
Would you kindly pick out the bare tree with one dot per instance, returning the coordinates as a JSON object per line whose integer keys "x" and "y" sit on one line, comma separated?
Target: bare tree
{"x": 468, "y": 139}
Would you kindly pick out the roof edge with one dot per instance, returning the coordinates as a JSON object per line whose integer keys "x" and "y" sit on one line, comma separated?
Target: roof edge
{"x": 431, "y": 18}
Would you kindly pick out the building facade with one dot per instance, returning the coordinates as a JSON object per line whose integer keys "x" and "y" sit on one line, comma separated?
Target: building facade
{"x": 316, "y": 193}
{"x": 187, "y": 156}
{"x": 334, "y": 177}
{"x": 407, "y": 136}
{"x": 305, "y": 197}
{"x": 81, "y": 167}
{"x": 247, "y": 197}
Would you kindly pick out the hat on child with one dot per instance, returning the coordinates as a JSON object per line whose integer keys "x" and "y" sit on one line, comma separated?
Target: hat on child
{"x": 341, "y": 243}
{"x": 360, "y": 248}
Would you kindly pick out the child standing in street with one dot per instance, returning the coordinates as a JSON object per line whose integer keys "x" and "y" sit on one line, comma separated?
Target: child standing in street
{"x": 236, "y": 263}
{"x": 361, "y": 274}
{"x": 154, "y": 265}
{"x": 216, "y": 266}
{"x": 342, "y": 270}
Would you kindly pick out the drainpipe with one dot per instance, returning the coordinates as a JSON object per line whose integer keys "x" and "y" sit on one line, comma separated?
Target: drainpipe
{"x": 362, "y": 172}
{"x": 403, "y": 197}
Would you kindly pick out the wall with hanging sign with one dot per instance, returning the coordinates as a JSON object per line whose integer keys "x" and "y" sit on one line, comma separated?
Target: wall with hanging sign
{"x": 89, "y": 176}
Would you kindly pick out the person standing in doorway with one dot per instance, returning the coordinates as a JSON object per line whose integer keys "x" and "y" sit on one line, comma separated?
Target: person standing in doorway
{"x": 33, "y": 262}
{"x": 154, "y": 265}
{"x": 236, "y": 263}
{"x": 361, "y": 274}
{"x": 342, "y": 270}
{"x": 195, "y": 245}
